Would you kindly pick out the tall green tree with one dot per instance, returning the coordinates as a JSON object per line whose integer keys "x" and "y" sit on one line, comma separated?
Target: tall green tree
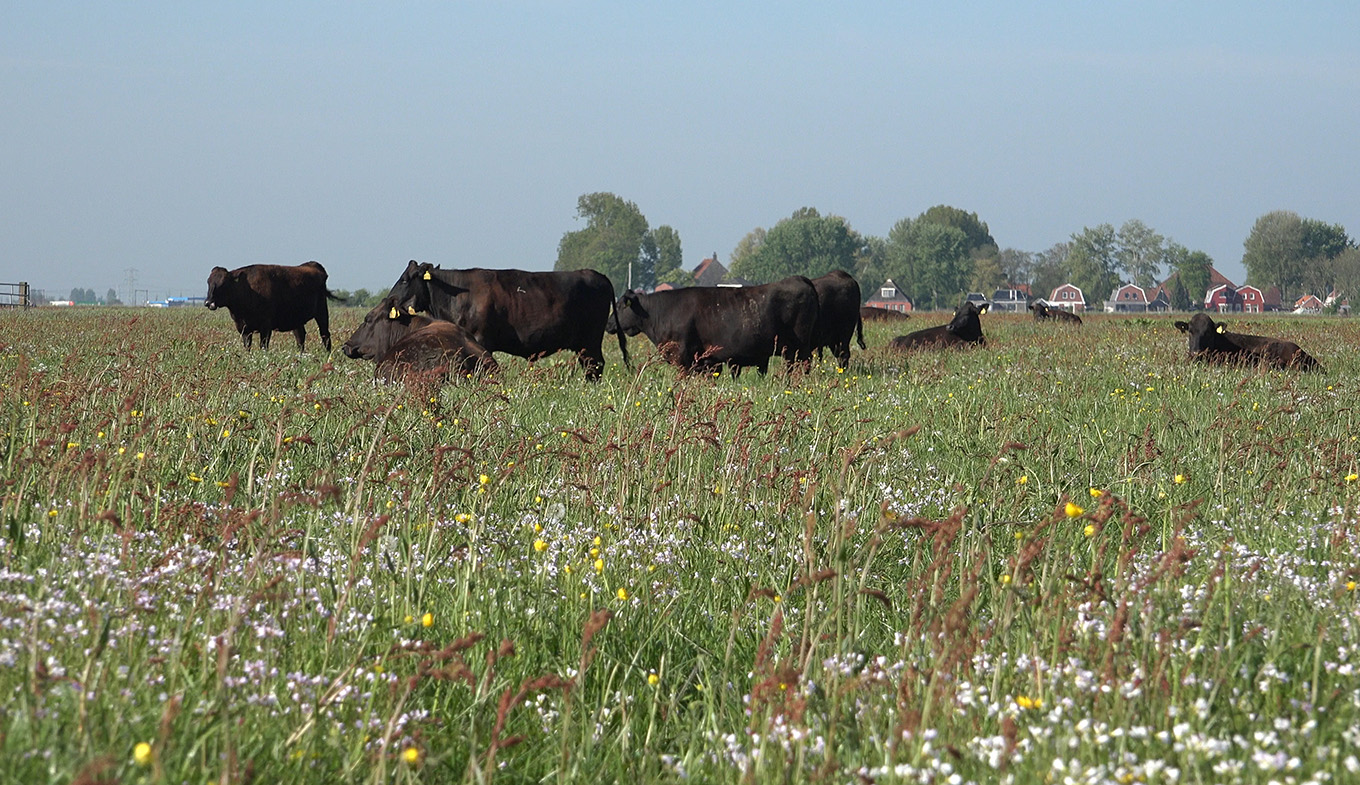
{"x": 1140, "y": 253}
{"x": 611, "y": 241}
{"x": 1092, "y": 264}
{"x": 1192, "y": 271}
{"x": 930, "y": 261}
{"x": 1347, "y": 272}
{"x": 1273, "y": 252}
{"x": 1017, "y": 267}
{"x": 806, "y": 243}
{"x": 1180, "y": 301}
{"x": 1050, "y": 269}
{"x": 870, "y": 265}
{"x": 979, "y": 237}
{"x": 661, "y": 259}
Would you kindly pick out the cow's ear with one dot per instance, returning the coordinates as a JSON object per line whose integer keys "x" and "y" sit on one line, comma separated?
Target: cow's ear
{"x": 1182, "y": 326}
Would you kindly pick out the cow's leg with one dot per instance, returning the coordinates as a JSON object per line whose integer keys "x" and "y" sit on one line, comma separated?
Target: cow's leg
{"x": 265, "y": 334}
{"x": 246, "y": 337}
{"x": 843, "y": 354}
{"x": 592, "y": 362}
{"x": 301, "y": 335}
{"x": 323, "y": 326}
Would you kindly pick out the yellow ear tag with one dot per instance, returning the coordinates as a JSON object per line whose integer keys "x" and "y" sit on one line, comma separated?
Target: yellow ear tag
{"x": 411, "y": 310}
{"x": 427, "y": 275}
{"x": 392, "y": 314}
{"x": 1221, "y": 330}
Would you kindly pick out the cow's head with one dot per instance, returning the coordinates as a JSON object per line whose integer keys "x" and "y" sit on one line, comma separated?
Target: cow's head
{"x": 411, "y": 291}
{"x": 629, "y": 315}
{"x": 220, "y": 282}
{"x": 1201, "y": 332}
{"x": 383, "y": 326}
{"x": 965, "y": 323}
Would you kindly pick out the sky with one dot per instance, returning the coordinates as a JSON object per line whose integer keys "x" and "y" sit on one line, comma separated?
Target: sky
{"x": 170, "y": 137}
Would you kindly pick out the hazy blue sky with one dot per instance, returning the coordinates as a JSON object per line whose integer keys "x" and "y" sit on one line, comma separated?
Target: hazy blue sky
{"x": 172, "y": 137}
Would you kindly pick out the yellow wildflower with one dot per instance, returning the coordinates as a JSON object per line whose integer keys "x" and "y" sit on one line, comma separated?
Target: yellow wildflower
{"x": 142, "y": 754}
{"x": 1072, "y": 510}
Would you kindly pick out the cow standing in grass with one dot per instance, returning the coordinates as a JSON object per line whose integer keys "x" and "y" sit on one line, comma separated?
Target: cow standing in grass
{"x": 1210, "y": 341}
{"x": 526, "y": 314}
{"x": 263, "y": 298}
{"x": 702, "y": 328}
{"x": 965, "y": 329}
{"x": 838, "y": 319}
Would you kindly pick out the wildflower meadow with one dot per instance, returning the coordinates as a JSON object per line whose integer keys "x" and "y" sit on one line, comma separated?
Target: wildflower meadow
{"x": 1070, "y": 556}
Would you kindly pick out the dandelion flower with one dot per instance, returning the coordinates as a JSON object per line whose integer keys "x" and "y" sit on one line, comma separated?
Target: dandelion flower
{"x": 1072, "y": 510}
{"x": 141, "y": 754}
{"x": 653, "y": 679}
{"x": 411, "y": 755}
{"x": 622, "y": 594}
{"x": 1179, "y": 479}
{"x": 1352, "y": 477}
{"x": 540, "y": 546}
{"x": 1026, "y": 702}
{"x": 427, "y": 620}
{"x": 1090, "y": 530}
{"x": 1350, "y": 585}
{"x": 1096, "y": 493}
{"x": 482, "y": 479}
{"x": 599, "y": 565}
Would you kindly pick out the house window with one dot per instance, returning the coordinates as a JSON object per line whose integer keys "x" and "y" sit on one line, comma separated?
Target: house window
{"x": 888, "y": 292}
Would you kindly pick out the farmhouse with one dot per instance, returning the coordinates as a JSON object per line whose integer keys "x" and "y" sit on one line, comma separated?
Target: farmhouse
{"x": 1309, "y": 303}
{"x": 890, "y": 298}
{"x": 1128, "y": 298}
{"x": 1067, "y": 297}
{"x": 1011, "y": 300}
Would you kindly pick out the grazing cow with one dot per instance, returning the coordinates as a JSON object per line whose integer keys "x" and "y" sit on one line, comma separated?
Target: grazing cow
{"x": 837, "y": 315}
{"x": 1210, "y": 341}
{"x": 526, "y": 314}
{"x": 402, "y": 343}
{"x": 963, "y": 330}
{"x": 1043, "y": 312}
{"x": 869, "y": 313}
{"x": 263, "y": 298}
{"x": 701, "y": 328}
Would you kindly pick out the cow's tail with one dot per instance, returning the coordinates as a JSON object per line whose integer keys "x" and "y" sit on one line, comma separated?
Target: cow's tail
{"x": 859, "y": 329}
{"x": 623, "y": 341}
{"x": 333, "y": 296}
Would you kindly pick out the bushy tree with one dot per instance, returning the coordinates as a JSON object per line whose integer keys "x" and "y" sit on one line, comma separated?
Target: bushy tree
{"x": 1017, "y": 266}
{"x": 1140, "y": 253}
{"x": 661, "y": 258}
{"x": 1092, "y": 262}
{"x": 1050, "y": 269}
{"x": 1192, "y": 271}
{"x": 978, "y": 236}
{"x": 930, "y": 261}
{"x": 1180, "y": 301}
{"x": 611, "y": 242}
{"x": 806, "y": 243}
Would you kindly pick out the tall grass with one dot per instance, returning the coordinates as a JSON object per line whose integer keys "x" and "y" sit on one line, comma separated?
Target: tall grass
{"x": 1072, "y": 554}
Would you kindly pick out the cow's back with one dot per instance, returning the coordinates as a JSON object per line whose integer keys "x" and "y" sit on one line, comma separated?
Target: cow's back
{"x": 288, "y": 296}
{"x": 530, "y": 314}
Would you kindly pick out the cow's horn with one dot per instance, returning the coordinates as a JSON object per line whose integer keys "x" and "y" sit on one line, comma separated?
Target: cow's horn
{"x": 392, "y": 314}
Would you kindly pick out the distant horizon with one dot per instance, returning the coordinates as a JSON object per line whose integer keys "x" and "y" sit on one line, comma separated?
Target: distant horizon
{"x": 173, "y": 138}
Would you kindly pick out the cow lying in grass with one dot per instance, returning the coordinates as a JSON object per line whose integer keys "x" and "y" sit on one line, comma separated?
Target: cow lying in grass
{"x": 1044, "y": 312}
{"x": 1210, "y": 341}
{"x": 402, "y": 344}
{"x": 965, "y": 329}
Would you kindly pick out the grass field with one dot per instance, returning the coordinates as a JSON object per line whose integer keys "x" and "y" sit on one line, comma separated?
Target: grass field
{"x": 1072, "y": 556}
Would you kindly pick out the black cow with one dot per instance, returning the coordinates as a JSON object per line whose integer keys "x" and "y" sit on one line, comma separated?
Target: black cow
{"x": 401, "y": 343}
{"x": 837, "y": 315}
{"x": 263, "y": 298}
{"x": 526, "y": 314}
{"x": 701, "y": 327}
{"x": 963, "y": 330}
{"x": 869, "y": 313}
{"x": 1210, "y": 341}
{"x": 1044, "y": 312}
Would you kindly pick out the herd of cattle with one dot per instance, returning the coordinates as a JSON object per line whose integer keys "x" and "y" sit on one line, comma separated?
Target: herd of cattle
{"x": 437, "y": 320}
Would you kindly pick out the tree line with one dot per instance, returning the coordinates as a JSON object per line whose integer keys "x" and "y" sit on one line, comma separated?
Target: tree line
{"x": 945, "y": 252}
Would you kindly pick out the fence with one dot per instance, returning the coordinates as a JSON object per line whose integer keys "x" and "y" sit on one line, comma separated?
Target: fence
{"x": 15, "y": 295}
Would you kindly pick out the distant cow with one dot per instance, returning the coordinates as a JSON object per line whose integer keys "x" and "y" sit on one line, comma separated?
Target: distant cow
{"x": 263, "y": 298}
{"x": 401, "y": 343}
{"x": 837, "y": 315}
{"x": 869, "y": 313}
{"x": 963, "y": 330}
{"x": 526, "y": 314}
{"x": 703, "y": 328}
{"x": 1044, "y": 312}
{"x": 1210, "y": 341}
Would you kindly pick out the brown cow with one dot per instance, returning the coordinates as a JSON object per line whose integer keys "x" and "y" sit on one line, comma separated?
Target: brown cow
{"x": 1043, "y": 312}
{"x": 869, "y": 313}
{"x": 264, "y": 298}
{"x": 965, "y": 329}
{"x": 402, "y": 343}
{"x": 1210, "y": 341}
